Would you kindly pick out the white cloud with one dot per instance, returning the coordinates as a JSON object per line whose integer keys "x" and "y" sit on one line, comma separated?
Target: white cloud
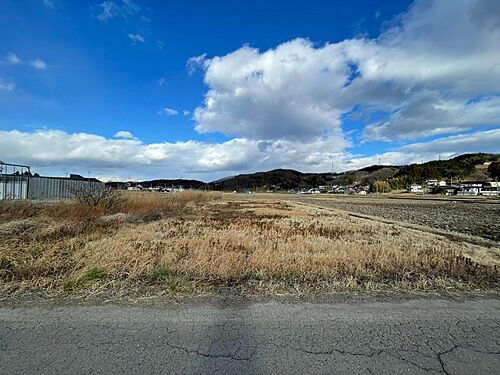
{"x": 429, "y": 114}
{"x": 486, "y": 141}
{"x": 124, "y": 135}
{"x": 196, "y": 62}
{"x": 60, "y": 150}
{"x": 7, "y": 85}
{"x": 111, "y": 9}
{"x": 136, "y": 38}
{"x": 57, "y": 150}
{"x": 284, "y": 93}
{"x": 12, "y": 59}
{"x": 162, "y": 82}
{"x": 168, "y": 111}
{"x": 186, "y": 113}
{"x": 435, "y": 71}
{"x": 38, "y": 64}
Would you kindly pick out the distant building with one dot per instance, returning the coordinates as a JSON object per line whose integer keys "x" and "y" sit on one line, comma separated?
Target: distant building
{"x": 432, "y": 182}
{"x": 491, "y": 188}
{"x": 470, "y": 189}
{"x": 414, "y": 188}
{"x": 445, "y": 189}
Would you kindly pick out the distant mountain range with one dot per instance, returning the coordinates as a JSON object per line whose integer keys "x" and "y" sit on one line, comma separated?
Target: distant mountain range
{"x": 460, "y": 167}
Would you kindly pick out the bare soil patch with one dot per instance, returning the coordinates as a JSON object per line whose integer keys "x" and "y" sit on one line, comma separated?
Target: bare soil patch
{"x": 477, "y": 217}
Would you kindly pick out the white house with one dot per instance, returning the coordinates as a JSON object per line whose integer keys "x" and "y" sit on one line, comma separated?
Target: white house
{"x": 470, "y": 189}
{"x": 492, "y": 188}
{"x": 414, "y": 188}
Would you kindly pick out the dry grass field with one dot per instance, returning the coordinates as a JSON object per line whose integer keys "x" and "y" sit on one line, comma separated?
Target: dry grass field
{"x": 199, "y": 243}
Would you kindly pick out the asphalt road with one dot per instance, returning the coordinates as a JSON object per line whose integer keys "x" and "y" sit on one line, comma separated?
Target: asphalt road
{"x": 217, "y": 337}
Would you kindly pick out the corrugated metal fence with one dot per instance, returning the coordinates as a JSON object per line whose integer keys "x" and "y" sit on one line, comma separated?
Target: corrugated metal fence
{"x": 21, "y": 187}
{"x": 13, "y": 187}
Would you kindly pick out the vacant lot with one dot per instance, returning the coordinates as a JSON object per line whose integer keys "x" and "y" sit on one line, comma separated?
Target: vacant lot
{"x": 478, "y": 217}
{"x": 196, "y": 243}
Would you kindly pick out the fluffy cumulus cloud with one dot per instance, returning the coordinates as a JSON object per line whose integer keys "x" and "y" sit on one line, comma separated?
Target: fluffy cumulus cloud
{"x": 124, "y": 135}
{"x": 125, "y": 155}
{"x": 435, "y": 71}
{"x": 284, "y": 93}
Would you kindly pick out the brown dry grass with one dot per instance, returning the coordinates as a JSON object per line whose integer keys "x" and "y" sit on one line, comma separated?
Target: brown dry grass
{"x": 131, "y": 203}
{"x": 194, "y": 241}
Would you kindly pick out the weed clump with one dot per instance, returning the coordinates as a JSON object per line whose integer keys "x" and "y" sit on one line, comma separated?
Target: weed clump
{"x": 89, "y": 276}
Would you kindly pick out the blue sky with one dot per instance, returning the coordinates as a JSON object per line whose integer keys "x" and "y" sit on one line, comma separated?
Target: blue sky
{"x": 196, "y": 89}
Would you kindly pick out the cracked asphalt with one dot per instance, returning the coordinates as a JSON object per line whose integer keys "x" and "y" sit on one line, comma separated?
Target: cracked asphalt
{"x": 244, "y": 337}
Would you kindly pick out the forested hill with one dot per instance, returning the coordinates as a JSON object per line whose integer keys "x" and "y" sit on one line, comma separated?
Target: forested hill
{"x": 281, "y": 179}
{"x": 460, "y": 167}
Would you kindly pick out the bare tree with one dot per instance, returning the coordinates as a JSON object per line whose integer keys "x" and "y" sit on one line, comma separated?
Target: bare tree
{"x": 93, "y": 196}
